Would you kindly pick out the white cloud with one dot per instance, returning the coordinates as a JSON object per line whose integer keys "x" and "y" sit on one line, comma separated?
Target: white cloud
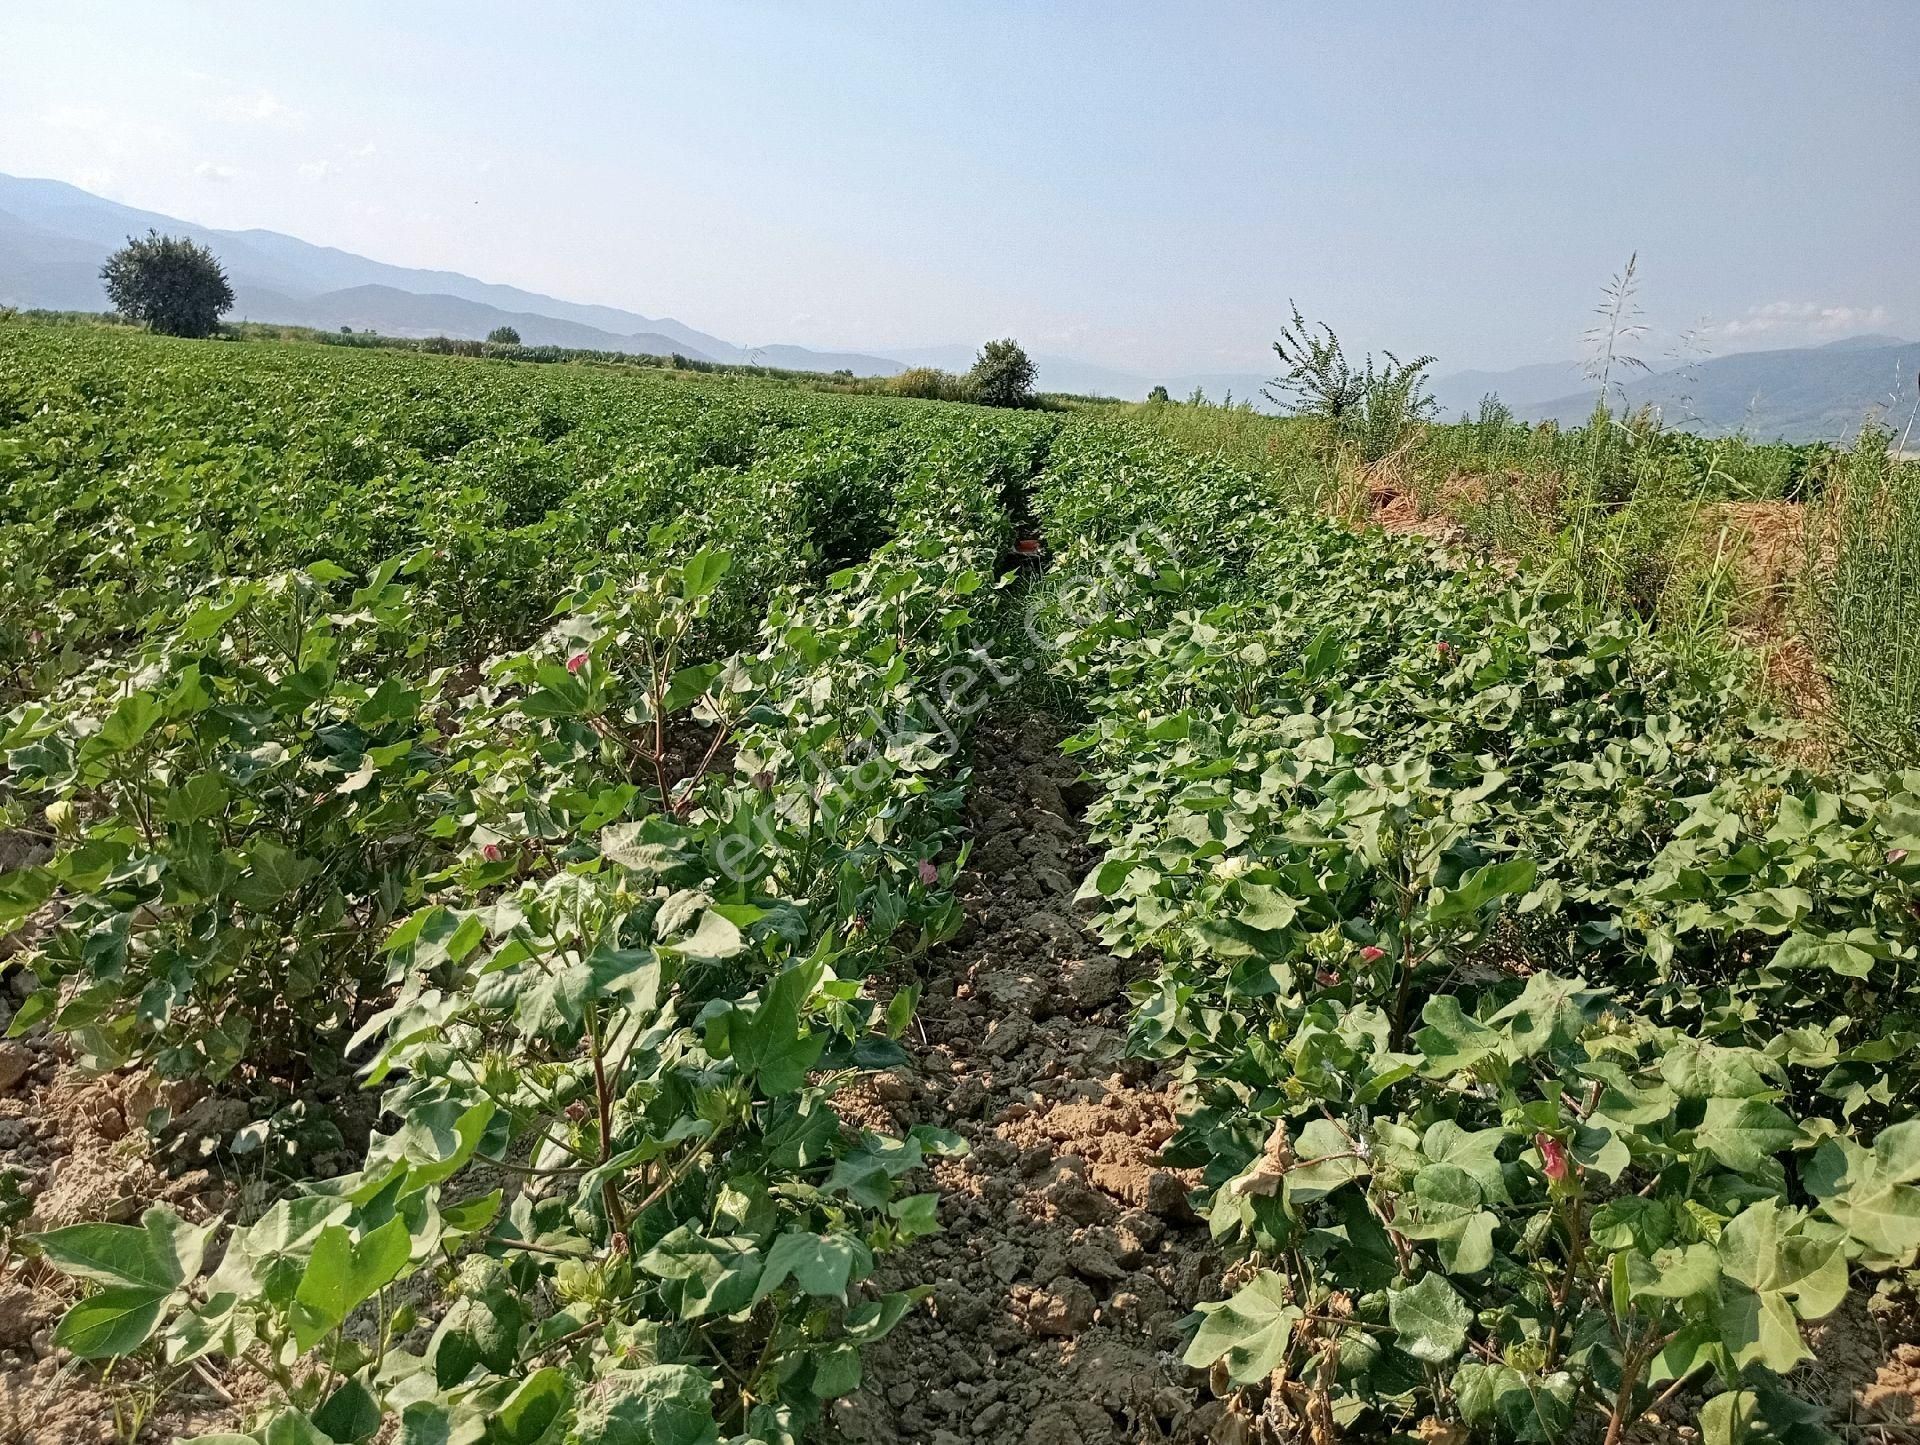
{"x": 319, "y": 170}
{"x": 1799, "y": 320}
{"x": 214, "y": 171}
{"x": 258, "y": 107}
{"x": 366, "y": 152}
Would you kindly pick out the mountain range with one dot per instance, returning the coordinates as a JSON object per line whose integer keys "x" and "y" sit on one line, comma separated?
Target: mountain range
{"x": 54, "y": 237}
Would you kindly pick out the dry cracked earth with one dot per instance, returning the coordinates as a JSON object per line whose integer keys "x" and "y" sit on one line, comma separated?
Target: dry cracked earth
{"x": 1068, "y": 1257}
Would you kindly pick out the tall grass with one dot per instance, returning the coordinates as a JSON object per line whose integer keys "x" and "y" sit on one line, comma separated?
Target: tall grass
{"x": 1868, "y": 595}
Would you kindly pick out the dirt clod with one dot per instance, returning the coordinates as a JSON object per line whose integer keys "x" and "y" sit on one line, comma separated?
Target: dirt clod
{"x": 1069, "y": 1257}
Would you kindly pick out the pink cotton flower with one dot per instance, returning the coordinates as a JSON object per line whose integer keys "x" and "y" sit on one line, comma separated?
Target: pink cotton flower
{"x": 1370, "y": 954}
{"x": 763, "y": 781}
{"x": 1326, "y": 977}
{"x": 929, "y": 874}
{"x": 1553, "y": 1156}
{"x": 576, "y": 662}
{"x": 491, "y": 853}
{"x": 1445, "y": 649}
{"x": 1896, "y": 855}
{"x": 1027, "y": 547}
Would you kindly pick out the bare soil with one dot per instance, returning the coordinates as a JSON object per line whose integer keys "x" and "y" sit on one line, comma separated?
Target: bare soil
{"x": 76, "y": 1148}
{"x": 1069, "y": 1257}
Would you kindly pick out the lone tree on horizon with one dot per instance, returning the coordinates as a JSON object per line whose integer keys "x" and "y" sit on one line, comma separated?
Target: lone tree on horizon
{"x": 503, "y": 336}
{"x": 1002, "y": 375}
{"x": 173, "y": 285}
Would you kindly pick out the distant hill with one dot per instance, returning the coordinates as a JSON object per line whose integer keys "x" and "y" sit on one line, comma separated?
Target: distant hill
{"x": 54, "y": 237}
{"x": 1802, "y": 394}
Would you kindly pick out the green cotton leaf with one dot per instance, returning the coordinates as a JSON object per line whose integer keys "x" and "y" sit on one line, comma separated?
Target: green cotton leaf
{"x": 532, "y": 1408}
{"x": 702, "y": 573}
{"x": 869, "y": 1320}
{"x": 1696, "y": 1069}
{"x": 1678, "y": 1273}
{"x": 1498, "y": 1399}
{"x": 1850, "y": 954}
{"x": 199, "y": 797}
{"x": 126, "y": 725}
{"x": 1760, "y": 1329}
{"x": 716, "y": 1276}
{"x": 1763, "y": 1416}
{"x": 1452, "y": 1041}
{"x": 1550, "y": 1011}
{"x": 480, "y": 1329}
{"x": 350, "y": 1414}
{"x": 689, "y": 684}
{"x": 291, "y": 1427}
{"x": 435, "y": 1140}
{"x": 553, "y": 998}
{"x": 1786, "y": 1277}
{"x": 1744, "y": 1133}
{"x": 1430, "y": 1318}
{"x": 273, "y": 873}
{"x": 836, "y": 1372}
{"x": 1250, "y": 1331}
{"x": 218, "y": 1326}
{"x": 111, "y": 1254}
{"x": 821, "y": 1264}
{"x": 1265, "y": 907}
{"x": 651, "y": 846}
{"x": 425, "y": 1422}
{"x": 916, "y": 1216}
{"x": 659, "y": 1405}
{"x": 393, "y": 701}
{"x": 161, "y": 1253}
{"x": 1762, "y": 1248}
{"x": 1475, "y": 1151}
{"x": 1873, "y": 1194}
{"x": 1462, "y": 905}
{"x": 1599, "y": 1149}
{"x": 716, "y": 939}
{"x": 114, "y": 1321}
{"x": 1446, "y": 1206}
{"x": 771, "y": 1042}
{"x": 1325, "y": 1160}
{"x": 342, "y": 1273}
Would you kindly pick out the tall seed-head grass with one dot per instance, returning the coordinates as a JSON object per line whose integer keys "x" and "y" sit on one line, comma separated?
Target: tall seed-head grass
{"x": 1869, "y": 591}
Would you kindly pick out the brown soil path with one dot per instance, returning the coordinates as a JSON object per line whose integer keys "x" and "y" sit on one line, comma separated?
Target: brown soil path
{"x": 1068, "y": 1257}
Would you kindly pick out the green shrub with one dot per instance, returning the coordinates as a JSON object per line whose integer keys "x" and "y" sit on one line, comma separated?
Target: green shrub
{"x": 171, "y": 284}
{"x": 1002, "y": 375}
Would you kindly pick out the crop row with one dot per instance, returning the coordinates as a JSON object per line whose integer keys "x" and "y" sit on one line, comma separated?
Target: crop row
{"x": 134, "y": 470}
{"x": 1550, "y": 1051}
{"x": 592, "y": 909}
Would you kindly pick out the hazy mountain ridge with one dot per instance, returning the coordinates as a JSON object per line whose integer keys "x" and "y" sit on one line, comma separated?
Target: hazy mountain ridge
{"x": 1799, "y": 394}
{"x": 54, "y": 237}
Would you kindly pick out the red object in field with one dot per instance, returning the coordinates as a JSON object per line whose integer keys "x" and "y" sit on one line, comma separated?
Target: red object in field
{"x": 491, "y": 852}
{"x": 576, "y": 662}
{"x": 1370, "y": 954}
{"x": 1027, "y": 547}
{"x": 1553, "y": 1156}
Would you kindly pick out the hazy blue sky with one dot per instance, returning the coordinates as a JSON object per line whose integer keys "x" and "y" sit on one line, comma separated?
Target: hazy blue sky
{"x": 1140, "y": 184}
